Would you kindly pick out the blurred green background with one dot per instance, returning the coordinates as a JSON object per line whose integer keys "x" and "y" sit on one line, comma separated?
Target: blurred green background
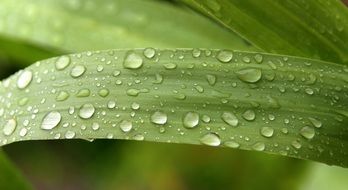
{"x": 128, "y": 165}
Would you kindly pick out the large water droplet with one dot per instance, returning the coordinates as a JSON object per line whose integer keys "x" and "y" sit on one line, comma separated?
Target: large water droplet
{"x": 307, "y": 132}
{"x": 249, "y": 75}
{"x": 24, "y": 79}
{"x": 191, "y": 119}
{"x": 62, "y": 62}
{"x": 225, "y": 56}
{"x": 10, "y": 127}
{"x": 51, "y": 120}
{"x": 86, "y": 111}
{"x": 77, "y": 71}
{"x": 249, "y": 115}
{"x": 210, "y": 139}
{"x": 159, "y": 118}
{"x": 230, "y": 118}
{"x": 267, "y": 131}
{"x": 126, "y": 126}
{"x": 133, "y": 61}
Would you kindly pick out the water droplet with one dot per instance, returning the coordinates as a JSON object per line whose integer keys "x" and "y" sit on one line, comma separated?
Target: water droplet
{"x": 258, "y": 58}
{"x": 23, "y": 132}
{"x": 267, "y": 131}
{"x": 309, "y": 91}
{"x": 296, "y": 144}
{"x": 63, "y": 95}
{"x": 307, "y": 132}
{"x": 51, "y": 120}
{"x": 77, "y": 71}
{"x": 211, "y": 79}
{"x": 116, "y": 73}
{"x": 62, "y": 62}
{"x": 225, "y": 56}
{"x": 169, "y": 66}
{"x": 249, "y": 115}
{"x": 249, "y": 75}
{"x": 206, "y": 119}
{"x": 210, "y": 139}
{"x": 135, "y": 106}
{"x": 24, "y": 79}
{"x": 138, "y": 137}
{"x": 149, "y": 52}
{"x": 10, "y": 127}
{"x": 69, "y": 134}
{"x": 159, "y": 118}
{"x": 259, "y": 146}
{"x": 158, "y": 79}
{"x": 111, "y": 104}
{"x": 199, "y": 89}
{"x": 103, "y": 92}
{"x": 126, "y": 126}
{"x": 133, "y": 61}
{"x": 316, "y": 123}
{"x": 83, "y": 93}
{"x": 86, "y": 111}
{"x": 232, "y": 144}
{"x": 133, "y": 92}
{"x": 95, "y": 126}
{"x": 230, "y": 118}
{"x": 191, "y": 120}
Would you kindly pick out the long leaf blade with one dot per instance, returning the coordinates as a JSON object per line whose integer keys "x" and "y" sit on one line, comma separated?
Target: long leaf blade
{"x": 282, "y": 105}
{"x": 311, "y": 28}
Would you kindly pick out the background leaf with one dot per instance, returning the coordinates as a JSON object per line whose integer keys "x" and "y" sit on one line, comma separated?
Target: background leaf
{"x": 283, "y": 105}
{"x": 311, "y": 28}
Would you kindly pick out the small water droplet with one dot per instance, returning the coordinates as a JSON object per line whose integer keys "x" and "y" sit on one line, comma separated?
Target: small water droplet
{"x": 126, "y": 126}
{"x": 24, "y": 79}
{"x": 206, "y": 119}
{"x": 62, "y": 95}
{"x": 210, "y": 139}
{"x": 249, "y": 75}
{"x": 51, "y": 120}
{"x": 230, "y": 118}
{"x": 316, "y": 123}
{"x": 86, "y": 111}
{"x": 296, "y": 144}
{"x": 69, "y": 134}
{"x": 249, "y": 115}
{"x": 95, "y": 126}
{"x": 62, "y": 62}
{"x": 307, "y": 132}
{"x": 159, "y": 118}
{"x": 225, "y": 56}
{"x": 191, "y": 120}
{"x": 149, "y": 53}
{"x": 169, "y": 66}
{"x": 211, "y": 79}
{"x": 267, "y": 131}
{"x": 259, "y": 146}
{"x": 232, "y": 144}
{"x": 103, "y": 92}
{"x": 132, "y": 61}
{"x": 77, "y": 71}
{"x": 111, "y": 104}
{"x": 10, "y": 127}
{"x": 258, "y": 58}
{"x": 83, "y": 92}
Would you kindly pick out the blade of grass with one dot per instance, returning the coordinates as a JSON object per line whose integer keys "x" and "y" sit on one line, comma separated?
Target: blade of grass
{"x": 311, "y": 28}
{"x": 283, "y": 105}
{"x": 73, "y": 26}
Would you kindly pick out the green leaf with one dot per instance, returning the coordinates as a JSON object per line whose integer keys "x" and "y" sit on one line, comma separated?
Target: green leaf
{"x": 10, "y": 178}
{"x": 282, "y": 105}
{"x": 311, "y": 28}
{"x": 72, "y": 26}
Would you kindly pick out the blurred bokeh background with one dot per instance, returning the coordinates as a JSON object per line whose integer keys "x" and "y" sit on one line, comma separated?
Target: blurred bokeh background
{"x": 128, "y": 165}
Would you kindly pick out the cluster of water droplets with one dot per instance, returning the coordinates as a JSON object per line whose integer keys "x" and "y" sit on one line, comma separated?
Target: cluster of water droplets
{"x": 242, "y": 100}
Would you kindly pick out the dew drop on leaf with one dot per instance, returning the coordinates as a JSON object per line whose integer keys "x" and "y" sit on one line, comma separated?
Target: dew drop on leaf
{"x": 51, "y": 120}
{"x": 86, "y": 111}
{"x": 133, "y": 61}
{"x": 224, "y": 56}
{"x": 24, "y": 79}
{"x": 249, "y": 75}
{"x": 210, "y": 139}
{"x": 159, "y": 118}
{"x": 230, "y": 118}
{"x": 10, "y": 127}
{"x": 307, "y": 132}
{"x": 77, "y": 71}
{"x": 126, "y": 125}
{"x": 62, "y": 62}
{"x": 249, "y": 115}
{"x": 191, "y": 120}
{"x": 267, "y": 131}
